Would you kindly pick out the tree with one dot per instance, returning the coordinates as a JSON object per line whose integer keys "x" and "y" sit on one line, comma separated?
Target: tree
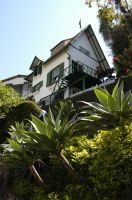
{"x": 115, "y": 19}
{"x": 8, "y": 98}
{"x": 14, "y": 108}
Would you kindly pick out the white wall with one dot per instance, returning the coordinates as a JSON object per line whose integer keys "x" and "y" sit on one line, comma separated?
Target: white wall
{"x": 15, "y": 81}
{"x": 76, "y": 55}
{"x": 47, "y": 67}
{"x": 26, "y": 90}
{"x": 20, "y": 82}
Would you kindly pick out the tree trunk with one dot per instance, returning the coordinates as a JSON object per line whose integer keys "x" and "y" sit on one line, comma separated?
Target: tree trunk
{"x": 36, "y": 175}
{"x": 68, "y": 166}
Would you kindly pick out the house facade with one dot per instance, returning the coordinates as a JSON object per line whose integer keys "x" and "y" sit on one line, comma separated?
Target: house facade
{"x": 18, "y": 82}
{"x": 75, "y": 65}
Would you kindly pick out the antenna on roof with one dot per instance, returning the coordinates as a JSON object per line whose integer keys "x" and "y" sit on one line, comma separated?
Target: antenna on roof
{"x": 80, "y": 24}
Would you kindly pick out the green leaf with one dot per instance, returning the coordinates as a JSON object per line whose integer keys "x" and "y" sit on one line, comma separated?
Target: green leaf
{"x": 114, "y": 93}
{"x": 120, "y": 94}
{"x": 38, "y": 125}
{"x": 125, "y": 107}
{"x": 14, "y": 145}
{"x": 58, "y": 121}
{"x": 102, "y": 96}
{"x": 104, "y": 90}
{"x": 112, "y": 105}
{"x": 51, "y": 116}
{"x": 97, "y": 106}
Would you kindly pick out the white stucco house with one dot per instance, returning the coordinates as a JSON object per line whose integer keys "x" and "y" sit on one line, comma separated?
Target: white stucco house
{"x": 18, "y": 82}
{"x": 73, "y": 66}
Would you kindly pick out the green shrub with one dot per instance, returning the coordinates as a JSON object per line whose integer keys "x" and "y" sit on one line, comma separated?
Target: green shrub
{"x": 20, "y": 113}
{"x": 8, "y": 98}
{"x": 22, "y": 188}
{"x": 111, "y": 164}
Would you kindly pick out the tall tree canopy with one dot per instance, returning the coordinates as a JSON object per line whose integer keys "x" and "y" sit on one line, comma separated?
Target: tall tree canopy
{"x": 115, "y": 17}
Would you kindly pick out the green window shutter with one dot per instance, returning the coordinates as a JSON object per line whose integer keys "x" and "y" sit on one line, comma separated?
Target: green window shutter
{"x": 61, "y": 70}
{"x": 35, "y": 71}
{"x": 40, "y": 84}
{"x": 48, "y": 79}
{"x": 33, "y": 89}
{"x": 40, "y": 69}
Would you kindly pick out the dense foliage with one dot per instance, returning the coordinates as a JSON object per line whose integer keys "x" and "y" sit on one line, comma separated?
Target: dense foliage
{"x": 115, "y": 17}
{"x": 8, "y": 98}
{"x": 14, "y": 108}
{"x": 59, "y": 158}
{"x": 21, "y": 112}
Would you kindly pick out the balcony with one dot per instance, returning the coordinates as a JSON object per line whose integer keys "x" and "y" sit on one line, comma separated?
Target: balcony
{"x": 79, "y": 70}
{"x": 70, "y": 77}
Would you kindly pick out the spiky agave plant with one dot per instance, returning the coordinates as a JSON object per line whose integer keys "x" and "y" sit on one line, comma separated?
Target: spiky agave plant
{"x": 16, "y": 155}
{"x": 46, "y": 137}
{"x": 51, "y": 135}
{"x": 115, "y": 106}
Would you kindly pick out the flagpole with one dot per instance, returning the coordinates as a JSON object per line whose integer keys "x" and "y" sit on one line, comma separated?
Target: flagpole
{"x": 80, "y": 24}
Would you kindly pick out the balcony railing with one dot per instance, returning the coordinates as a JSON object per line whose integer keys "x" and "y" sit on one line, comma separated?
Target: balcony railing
{"x": 70, "y": 73}
{"x": 81, "y": 68}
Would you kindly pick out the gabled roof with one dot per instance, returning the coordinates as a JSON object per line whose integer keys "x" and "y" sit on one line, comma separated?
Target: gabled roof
{"x": 62, "y": 43}
{"x": 29, "y": 77}
{"x": 13, "y": 77}
{"x": 61, "y": 46}
{"x": 36, "y": 61}
{"x": 96, "y": 47}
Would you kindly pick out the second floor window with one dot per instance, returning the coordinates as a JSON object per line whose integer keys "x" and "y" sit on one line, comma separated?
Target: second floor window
{"x": 55, "y": 74}
{"x": 37, "y": 86}
{"x": 85, "y": 51}
{"x": 37, "y": 70}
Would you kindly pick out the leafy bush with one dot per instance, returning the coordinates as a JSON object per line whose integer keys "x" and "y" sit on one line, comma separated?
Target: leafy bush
{"x": 111, "y": 164}
{"x": 8, "y": 98}
{"x": 19, "y": 113}
{"x": 72, "y": 165}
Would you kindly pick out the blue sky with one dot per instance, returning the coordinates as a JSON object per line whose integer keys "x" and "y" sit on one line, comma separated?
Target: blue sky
{"x": 33, "y": 27}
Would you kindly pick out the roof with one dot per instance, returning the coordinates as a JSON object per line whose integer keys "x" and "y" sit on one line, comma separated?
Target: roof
{"x": 36, "y": 61}
{"x": 13, "y": 77}
{"x": 61, "y": 46}
{"x": 29, "y": 77}
{"x": 64, "y": 44}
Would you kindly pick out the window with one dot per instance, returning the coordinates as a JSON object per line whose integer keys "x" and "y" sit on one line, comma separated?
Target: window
{"x": 37, "y": 70}
{"x": 37, "y": 86}
{"x": 55, "y": 74}
{"x": 85, "y": 51}
{"x": 76, "y": 66}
